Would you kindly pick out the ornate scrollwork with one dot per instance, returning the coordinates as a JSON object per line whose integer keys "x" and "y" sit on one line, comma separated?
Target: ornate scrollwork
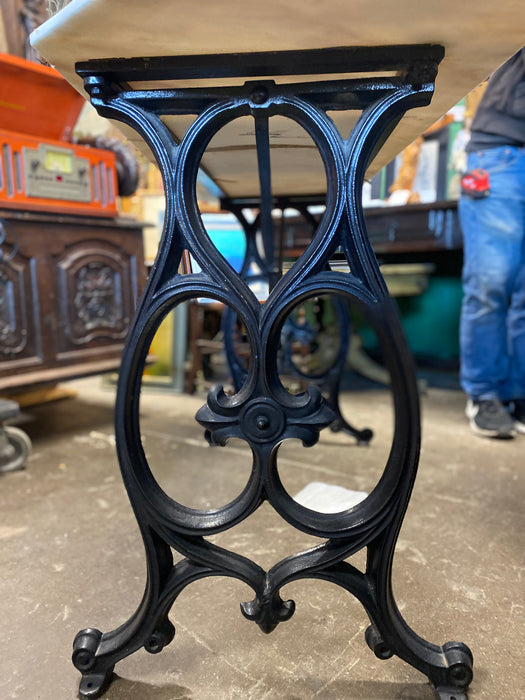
{"x": 13, "y": 338}
{"x": 262, "y": 420}
{"x": 268, "y": 611}
{"x": 4, "y": 231}
{"x": 6, "y": 317}
{"x": 96, "y": 300}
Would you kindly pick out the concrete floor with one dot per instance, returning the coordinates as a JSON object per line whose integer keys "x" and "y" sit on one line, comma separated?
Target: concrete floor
{"x": 72, "y": 558}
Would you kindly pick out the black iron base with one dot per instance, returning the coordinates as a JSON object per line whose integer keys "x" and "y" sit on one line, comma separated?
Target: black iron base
{"x": 262, "y": 412}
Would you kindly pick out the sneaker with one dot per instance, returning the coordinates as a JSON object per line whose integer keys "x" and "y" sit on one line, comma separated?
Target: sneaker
{"x": 517, "y": 412}
{"x": 489, "y": 418}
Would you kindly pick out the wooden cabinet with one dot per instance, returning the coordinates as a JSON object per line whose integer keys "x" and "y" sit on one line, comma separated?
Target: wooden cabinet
{"x": 68, "y": 290}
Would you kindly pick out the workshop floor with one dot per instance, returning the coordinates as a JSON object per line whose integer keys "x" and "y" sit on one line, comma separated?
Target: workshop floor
{"x": 72, "y": 557}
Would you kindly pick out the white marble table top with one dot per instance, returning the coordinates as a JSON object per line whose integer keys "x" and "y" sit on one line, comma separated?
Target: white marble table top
{"x": 478, "y": 35}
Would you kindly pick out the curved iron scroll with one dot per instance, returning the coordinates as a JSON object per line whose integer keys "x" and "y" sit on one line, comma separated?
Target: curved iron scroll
{"x": 329, "y": 378}
{"x": 262, "y": 412}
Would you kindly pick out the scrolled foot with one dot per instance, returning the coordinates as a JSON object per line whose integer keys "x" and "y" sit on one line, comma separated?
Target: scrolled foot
{"x": 362, "y": 437}
{"x": 94, "y": 680}
{"x": 376, "y": 643}
{"x": 460, "y": 661}
{"x": 93, "y": 685}
{"x": 85, "y": 648}
{"x": 161, "y": 637}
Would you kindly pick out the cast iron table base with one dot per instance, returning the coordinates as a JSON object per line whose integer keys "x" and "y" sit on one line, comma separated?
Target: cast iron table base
{"x": 262, "y": 412}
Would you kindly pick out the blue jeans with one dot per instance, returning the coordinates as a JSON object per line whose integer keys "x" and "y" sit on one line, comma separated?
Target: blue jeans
{"x": 492, "y": 331}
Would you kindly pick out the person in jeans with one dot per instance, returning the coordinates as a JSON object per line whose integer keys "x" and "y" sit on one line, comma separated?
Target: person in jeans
{"x": 492, "y": 216}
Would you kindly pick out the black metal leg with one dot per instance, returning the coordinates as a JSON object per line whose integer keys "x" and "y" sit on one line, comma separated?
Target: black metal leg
{"x": 95, "y": 654}
{"x": 329, "y": 380}
{"x": 262, "y": 412}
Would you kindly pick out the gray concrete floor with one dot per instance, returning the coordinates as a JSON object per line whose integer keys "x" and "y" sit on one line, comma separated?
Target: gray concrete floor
{"x": 72, "y": 558}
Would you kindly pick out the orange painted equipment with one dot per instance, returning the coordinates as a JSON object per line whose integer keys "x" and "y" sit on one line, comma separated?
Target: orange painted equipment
{"x": 36, "y": 100}
{"x": 40, "y": 169}
{"x": 56, "y": 176}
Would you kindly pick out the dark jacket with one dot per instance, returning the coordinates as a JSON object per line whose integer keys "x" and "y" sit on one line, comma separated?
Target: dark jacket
{"x": 500, "y": 117}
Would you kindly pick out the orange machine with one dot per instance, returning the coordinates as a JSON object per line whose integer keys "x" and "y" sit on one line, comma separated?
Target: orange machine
{"x": 40, "y": 169}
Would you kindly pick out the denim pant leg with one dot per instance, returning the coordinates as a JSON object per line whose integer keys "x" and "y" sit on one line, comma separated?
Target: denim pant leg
{"x": 515, "y": 385}
{"x": 491, "y": 334}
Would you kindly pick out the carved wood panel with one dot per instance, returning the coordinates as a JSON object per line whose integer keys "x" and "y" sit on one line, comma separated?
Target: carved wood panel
{"x": 95, "y": 288}
{"x": 19, "y": 337}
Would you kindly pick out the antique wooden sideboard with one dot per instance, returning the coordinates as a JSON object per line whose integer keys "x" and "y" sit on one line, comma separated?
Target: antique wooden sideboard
{"x": 68, "y": 289}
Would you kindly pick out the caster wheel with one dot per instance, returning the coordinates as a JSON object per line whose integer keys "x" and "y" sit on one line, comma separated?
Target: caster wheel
{"x": 15, "y": 452}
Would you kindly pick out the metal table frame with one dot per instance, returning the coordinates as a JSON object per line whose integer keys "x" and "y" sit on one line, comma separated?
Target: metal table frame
{"x": 262, "y": 412}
